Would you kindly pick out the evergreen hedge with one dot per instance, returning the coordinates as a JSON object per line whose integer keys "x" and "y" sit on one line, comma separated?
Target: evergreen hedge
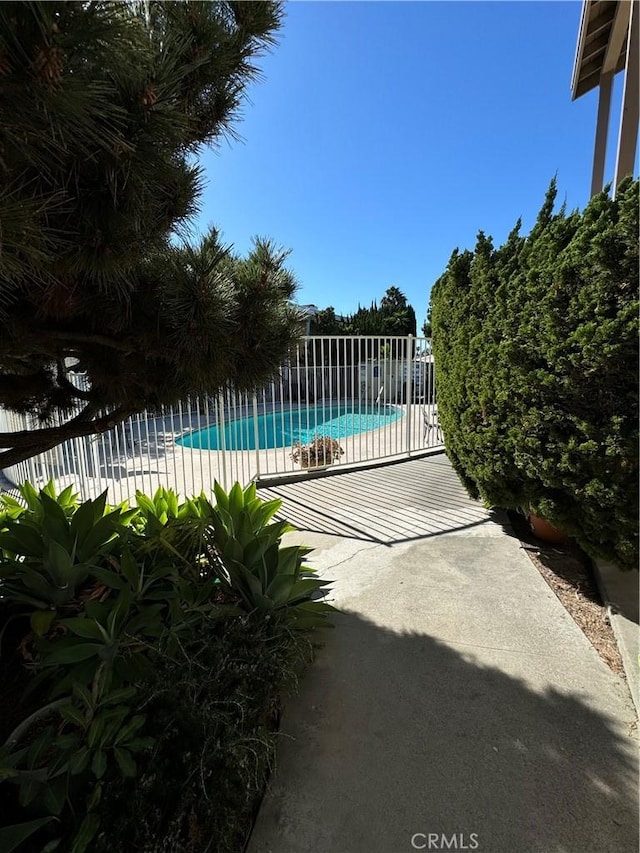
{"x": 536, "y": 353}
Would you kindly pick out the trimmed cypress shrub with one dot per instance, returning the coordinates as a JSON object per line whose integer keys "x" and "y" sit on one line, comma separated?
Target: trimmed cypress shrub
{"x": 536, "y": 353}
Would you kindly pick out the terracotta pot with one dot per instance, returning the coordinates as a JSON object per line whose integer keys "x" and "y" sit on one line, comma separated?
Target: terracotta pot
{"x": 545, "y": 531}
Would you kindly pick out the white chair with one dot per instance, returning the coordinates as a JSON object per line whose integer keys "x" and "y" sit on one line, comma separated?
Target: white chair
{"x": 431, "y": 424}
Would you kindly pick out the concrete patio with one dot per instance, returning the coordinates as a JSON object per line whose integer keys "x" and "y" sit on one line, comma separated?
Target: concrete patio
{"x": 455, "y": 705}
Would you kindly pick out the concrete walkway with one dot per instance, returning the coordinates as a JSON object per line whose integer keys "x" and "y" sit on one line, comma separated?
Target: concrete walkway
{"x": 455, "y": 705}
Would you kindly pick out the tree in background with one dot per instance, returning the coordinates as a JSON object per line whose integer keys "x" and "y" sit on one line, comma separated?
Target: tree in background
{"x": 365, "y": 321}
{"x": 104, "y": 108}
{"x": 325, "y": 322}
{"x": 394, "y": 316}
{"x": 398, "y": 317}
{"x": 426, "y": 326}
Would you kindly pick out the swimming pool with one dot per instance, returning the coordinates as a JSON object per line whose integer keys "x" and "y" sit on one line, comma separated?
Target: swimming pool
{"x": 288, "y": 426}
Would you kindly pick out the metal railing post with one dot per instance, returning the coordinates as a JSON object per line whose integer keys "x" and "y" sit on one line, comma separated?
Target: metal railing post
{"x": 409, "y": 390}
{"x": 223, "y": 442}
{"x": 256, "y": 434}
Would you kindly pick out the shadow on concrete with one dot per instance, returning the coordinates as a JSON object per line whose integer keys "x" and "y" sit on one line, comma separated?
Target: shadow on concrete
{"x": 313, "y": 520}
{"x": 119, "y": 472}
{"x": 627, "y": 606}
{"x": 397, "y": 733}
{"x": 418, "y": 499}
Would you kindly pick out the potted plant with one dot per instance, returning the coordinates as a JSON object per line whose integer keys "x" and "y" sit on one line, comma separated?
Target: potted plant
{"x": 318, "y": 453}
{"x": 544, "y": 530}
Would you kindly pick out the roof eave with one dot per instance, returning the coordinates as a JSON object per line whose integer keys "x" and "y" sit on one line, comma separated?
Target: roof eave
{"x": 582, "y": 34}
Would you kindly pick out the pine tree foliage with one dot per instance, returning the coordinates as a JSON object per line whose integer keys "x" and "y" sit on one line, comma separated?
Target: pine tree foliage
{"x": 536, "y": 353}
{"x": 105, "y": 106}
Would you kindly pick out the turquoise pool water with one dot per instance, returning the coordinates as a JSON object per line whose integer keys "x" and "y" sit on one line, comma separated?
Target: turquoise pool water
{"x": 283, "y": 429}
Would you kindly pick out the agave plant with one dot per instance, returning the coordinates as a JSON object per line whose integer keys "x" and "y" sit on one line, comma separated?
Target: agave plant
{"x": 50, "y": 548}
{"x": 107, "y": 590}
{"x": 169, "y": 529}
{"x": 246, "y": 554}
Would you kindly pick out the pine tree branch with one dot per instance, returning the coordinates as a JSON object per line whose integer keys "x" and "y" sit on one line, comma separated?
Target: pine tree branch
{"x": 81, "y": 338}
{"x": 43, "y": 342}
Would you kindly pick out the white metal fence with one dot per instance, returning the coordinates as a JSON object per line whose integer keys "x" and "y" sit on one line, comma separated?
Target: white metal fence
{"x": 375, "y": 396}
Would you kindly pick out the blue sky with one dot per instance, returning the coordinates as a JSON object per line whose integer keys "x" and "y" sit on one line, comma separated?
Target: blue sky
{"x": 385, "y": 134}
